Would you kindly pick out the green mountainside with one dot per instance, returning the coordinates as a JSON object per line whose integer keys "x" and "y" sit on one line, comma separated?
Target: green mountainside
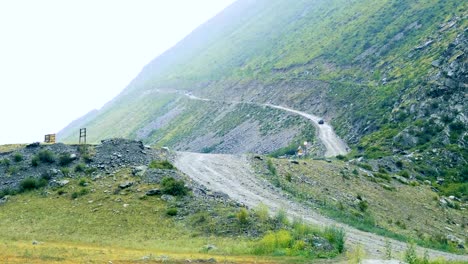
{"x": 389, "y": 75}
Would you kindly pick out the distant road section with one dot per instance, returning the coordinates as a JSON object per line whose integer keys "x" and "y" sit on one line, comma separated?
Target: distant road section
{"x": 333, "y": 144}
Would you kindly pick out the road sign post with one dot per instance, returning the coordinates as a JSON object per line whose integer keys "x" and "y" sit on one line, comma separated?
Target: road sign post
{"x": 82, "y": 136}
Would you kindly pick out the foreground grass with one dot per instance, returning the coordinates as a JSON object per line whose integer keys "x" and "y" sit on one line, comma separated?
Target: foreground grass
{"x": 96, "y": 221}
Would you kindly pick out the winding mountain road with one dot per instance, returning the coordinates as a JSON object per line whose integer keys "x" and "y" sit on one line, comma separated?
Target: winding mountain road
{"x": 233, "y": 175}
{"x": 333, "y": 144}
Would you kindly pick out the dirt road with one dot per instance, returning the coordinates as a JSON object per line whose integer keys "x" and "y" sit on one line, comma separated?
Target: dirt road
{"x": 333, "y": 144}
{"x": 233, "y": 175}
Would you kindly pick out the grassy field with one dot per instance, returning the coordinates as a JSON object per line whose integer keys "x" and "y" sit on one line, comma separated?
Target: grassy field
{"x": 90, "y": 221}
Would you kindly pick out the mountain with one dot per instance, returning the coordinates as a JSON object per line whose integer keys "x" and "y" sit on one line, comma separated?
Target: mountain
{"x": 390, "y": 76}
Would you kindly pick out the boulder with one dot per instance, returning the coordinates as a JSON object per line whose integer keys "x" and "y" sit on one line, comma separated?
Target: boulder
{"x": 153, "y": 192}
{"x": 139, "y": 171}
{"x": 126, "y": 185}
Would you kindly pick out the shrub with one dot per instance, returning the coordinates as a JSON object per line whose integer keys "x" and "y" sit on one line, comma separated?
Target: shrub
{"x": 274, "y": 241}
{"x": 65, "y": 171}
{"x": 65, "y": 159}
{"x": 342, "y": 157}
{"x": 410, "y": 254}
{"x": 5, "y": 162}
{"x": 162, "y": 165}
{"x": 243, "y": 216}
{"x": 262, "y": 212}
{"x": 399, "y": 164}
{"x": 83, "y": 182}
{"x": 335, "y": 236}
{"x": 35, "y": 161}
{"x": 289, "y": 177}
{"x": 363, "y": 205}
{"x": 29, "y": 184}
{"x": 12, "y": 170}
{"x": 80, "y": 167}
{"x": 46, "y": 156}
{"x": 271, "y": 167}
{"x": 82, "y": 192}
{"x": 17, "y": 157}
{"x": 365, "y": 166}
{"x": 281, "y": 217}
{"x": 171, "y": 211}
{"x": 174, "y": 187}
{"x": 405, "y": 174}
{"x": 8, "y": 191}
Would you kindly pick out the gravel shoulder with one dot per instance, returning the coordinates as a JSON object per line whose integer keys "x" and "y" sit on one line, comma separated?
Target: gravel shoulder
{"x": 233, "y": 175}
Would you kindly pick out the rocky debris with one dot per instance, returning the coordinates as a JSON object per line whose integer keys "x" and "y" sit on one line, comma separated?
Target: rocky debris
{"x": 400, "y": 179}
{"x": 126, "y": 185}
{"x": 321, "y": 243}
{"x": 33, "y": 145}
{"x": 35, "y": 242}
{"x": 139, "y": 171}
{"x": 156, "y": 175}
{"x": 153, "y": 192}
{"x": 118, "y": 153}
{"x": 59, "y": 183}
{"x": 4, "y": 199}
{"x": 459, "y": 242}
{"x": 167, "y": 198}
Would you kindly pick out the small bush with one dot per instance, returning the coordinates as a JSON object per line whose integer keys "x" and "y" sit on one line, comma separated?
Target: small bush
{"x": 174, "y": 187}
{"x": 82, "y": 192}
{"x": 365, "y": 166}
{"x": 35, "y": 161}
{"x": 289, "y": 177}
{"x": 80, "y": 167}
{"x": 262, "y": 212}
{"x": 363, "y": 205}
{"x": 83, "y": 182}
{"x": 410, "y": 254}
{"x": 405, "y": 174}
{"x": 29, "y": 184}
{"x": 342, "y": 157}
{"x": 8, "y": 191}
{"x": 399, "y": 164}
{"x": 271, "y": 167}
{"x": 12, "y": 170}
{"x": 17, "y": 157}
{"x": 65, "y": 159}
{"x": 46, "y": 156}
{"x": 281, "y": 217}
{"x": 274, "y": 241}
{"x": 335, "y": 236}
{"x": 162, "y": 165}
{"x": 65, "y": 171}
{"x": 5, "y": 162}
{"x": 171, "y": 211}
{"x": 243, "y": 216}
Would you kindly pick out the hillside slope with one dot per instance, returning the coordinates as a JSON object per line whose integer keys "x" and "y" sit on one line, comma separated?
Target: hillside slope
{"x": 390, "y": 76}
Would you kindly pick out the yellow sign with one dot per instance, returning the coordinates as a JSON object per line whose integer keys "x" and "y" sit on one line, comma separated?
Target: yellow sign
{"x": 50, "y": 138}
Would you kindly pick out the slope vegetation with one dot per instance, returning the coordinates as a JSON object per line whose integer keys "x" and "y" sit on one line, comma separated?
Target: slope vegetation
{"x": 382, "y": 73}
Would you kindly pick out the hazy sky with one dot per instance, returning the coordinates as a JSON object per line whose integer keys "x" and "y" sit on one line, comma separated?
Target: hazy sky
{"x": 60, "y": 59}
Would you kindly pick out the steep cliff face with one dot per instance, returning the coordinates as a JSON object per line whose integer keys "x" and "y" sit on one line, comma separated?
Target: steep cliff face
{"x": 389, "y": 75}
